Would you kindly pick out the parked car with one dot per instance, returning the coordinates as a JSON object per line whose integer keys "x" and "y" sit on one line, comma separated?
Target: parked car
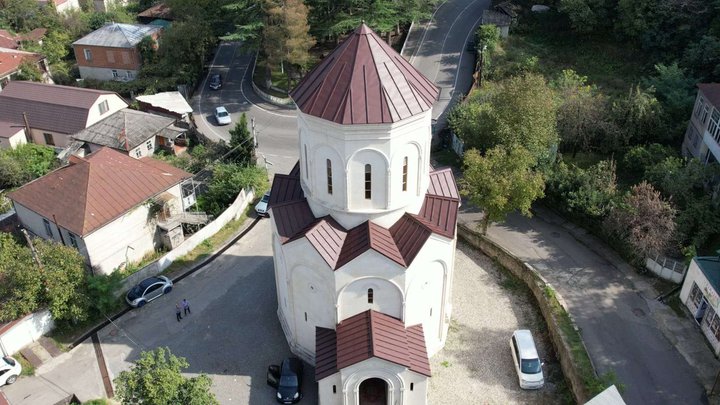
{"x": 148, "y": 290}
{"x": 262, "y": 206}
{"x": 215, "y": 81}
{"x": 222, "y": 116}
{"x": 527, "y": 362}
{"x": 287, "y": 379}
{"x": 9, "y": 370}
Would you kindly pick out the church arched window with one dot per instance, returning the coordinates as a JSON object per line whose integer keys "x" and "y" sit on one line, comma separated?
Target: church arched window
{"x": 368, "y": 182}
{"x": 405, "y": 174}
{"x": 370, "y": 296}
{"x": 328, "y": 165}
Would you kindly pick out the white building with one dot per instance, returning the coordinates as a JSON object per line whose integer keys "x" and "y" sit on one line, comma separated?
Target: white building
{"x": 364, "y": 229}
{"x": 701, "y": 294}
{"x": 702, "y": 138}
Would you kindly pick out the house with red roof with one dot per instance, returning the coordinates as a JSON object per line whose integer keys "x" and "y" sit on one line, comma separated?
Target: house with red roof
{"x": 52, "y": 112}
{"x": 11, "y": 61}
{"x": 107, "y": 205}
{"x": 14, "y": 41}
{"x": 364, "y": 229}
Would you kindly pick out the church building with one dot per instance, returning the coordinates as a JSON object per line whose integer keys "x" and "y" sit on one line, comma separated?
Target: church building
{"x": 364, "y": 228}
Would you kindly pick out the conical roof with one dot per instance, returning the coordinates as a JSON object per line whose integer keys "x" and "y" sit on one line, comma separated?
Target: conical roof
{"x": 364, "y": 81}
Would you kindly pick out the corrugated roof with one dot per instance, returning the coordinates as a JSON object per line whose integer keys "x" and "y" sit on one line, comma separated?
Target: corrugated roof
{"x": 88, "y": 193}
{"x": 124, "y": 130}
{"x": 496, "y": 18}
{"x": 160, "y": 10}
{"x": 364, "y": 81}
{"x": 171, "y": 101}
{"x": 338, "y": 246}
{"x": 11, "y": 59}
{"x": 711, "y": 92}
{"x": 116, "y": 35}
{"x": 9, "y": 129}
{"x": 366, "y": 335}
{"x": 52, "y": 107}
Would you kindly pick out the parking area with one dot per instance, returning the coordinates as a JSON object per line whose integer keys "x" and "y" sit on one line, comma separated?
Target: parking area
{"x": 476, "y": 364}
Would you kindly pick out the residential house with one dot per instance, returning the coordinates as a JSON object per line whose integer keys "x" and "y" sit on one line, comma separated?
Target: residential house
{"x": 702, "y": 138}
{"x": 701, "y": 295}
{"x": 169, "y": 103}
{"x": 106, "y": 205}
{"x": 135, "y": 133}
{"x": 159, "y": 11}
{"x": 62, "y": 5}
{"x": 110, "y": 52}
{"x": 11, "y": 61}
{"x": 53, "y": 112}
{"x": 14, "y": 41}
{"x": 11, "y": 135}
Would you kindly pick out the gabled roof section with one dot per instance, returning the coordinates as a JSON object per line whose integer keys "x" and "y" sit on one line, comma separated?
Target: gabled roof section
{"x": 62, "y": 109}
{"x": 285, "y": 188}
{"x": 410, "y": 236}
{"x": 364, "y": 81}
{"x": 366, "y": 335}
{"x": 442, "y": 184}
{"x": 89, "y": 193}
{"x": 711, "y": 91}
{"x": 439, "y": 214}
{"x": 327, "y": 237}
{"x": 291, "y": 218}
{"x": 11, "y": 59}
{"x": 366, "y": 236}
{"x": 116, "y": 35}
{"x": 124, "y": 130}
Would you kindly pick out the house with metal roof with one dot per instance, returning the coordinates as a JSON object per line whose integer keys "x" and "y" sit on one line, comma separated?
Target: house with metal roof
{"x": 107, "y": 205}
{"x": 701, "y": 295}
{"x": 364, "y": 229}
{"x": 702, "y": 137}
{"x": 110, "y": 52}
{"x": 11, "y": 61}
{"x": 51, "y": 113}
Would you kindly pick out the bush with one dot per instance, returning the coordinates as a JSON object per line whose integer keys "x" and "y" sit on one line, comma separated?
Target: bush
{"x": 226, "y": 183}
{"x": 589, "y": 193}
{"x": 25, "y": 163}
{"x": 101, "y": 290}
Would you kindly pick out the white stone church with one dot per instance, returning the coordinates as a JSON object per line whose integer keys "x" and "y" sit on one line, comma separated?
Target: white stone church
{"x": 364, "y": 229}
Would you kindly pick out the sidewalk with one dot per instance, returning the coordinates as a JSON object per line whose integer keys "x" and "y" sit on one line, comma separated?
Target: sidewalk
{"x": 627, "y": 332}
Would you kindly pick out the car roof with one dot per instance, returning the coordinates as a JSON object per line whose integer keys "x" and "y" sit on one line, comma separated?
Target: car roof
{"x": 292, "y": 364}
{"x": 526, "y": 344}
{"x": 220, "y": 109}
{"x": 150, "y": 281}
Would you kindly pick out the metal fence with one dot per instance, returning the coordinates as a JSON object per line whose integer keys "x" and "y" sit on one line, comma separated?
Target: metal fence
{"x": 666, "y": 268}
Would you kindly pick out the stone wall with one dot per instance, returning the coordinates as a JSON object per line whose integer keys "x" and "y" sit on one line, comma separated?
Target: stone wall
{"x": 536, "y": 283}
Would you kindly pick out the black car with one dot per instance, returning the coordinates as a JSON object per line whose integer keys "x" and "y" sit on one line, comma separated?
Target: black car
{"x": 215, "y": 81}
{"x": 287, "y": 379}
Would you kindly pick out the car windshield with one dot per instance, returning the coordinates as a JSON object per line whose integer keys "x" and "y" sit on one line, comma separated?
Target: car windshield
{"x": 222, "y": 114}
{"x": 289, "y": 381}
{"x": 9, "y": 361}
{"x": 530, "y": 366}
{"x": 135, "y": 292}
{"x": 266, "y": 198}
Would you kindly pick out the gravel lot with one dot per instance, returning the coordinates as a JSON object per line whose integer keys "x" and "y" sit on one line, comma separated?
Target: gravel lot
{"x": 476, "y": 365}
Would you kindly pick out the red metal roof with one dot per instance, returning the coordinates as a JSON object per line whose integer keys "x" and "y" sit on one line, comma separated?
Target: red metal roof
{"x": 89, "y": 193}
{"x": 364, "y": 81}
{"x": 10, "y": 60}
{"x": 370, "y": 334}
{"x": 711, "y": 91}
{"x": 338, "y": 246}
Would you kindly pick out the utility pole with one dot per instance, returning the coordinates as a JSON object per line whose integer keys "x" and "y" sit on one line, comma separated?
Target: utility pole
{"x": 254, "y": 134}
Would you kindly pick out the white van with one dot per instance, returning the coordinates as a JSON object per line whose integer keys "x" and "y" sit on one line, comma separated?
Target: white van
{"x": 527, "y": 362}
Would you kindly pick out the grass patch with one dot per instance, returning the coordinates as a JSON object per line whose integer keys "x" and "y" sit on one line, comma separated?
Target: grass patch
{"x": 101, "y": 401}
{"x": 446, "y": 364}
{"x": 279, "y": 80}
{"x": 27, "y": 368}
{"x": 134, "y": 267}
{"x": 580, "y": 357}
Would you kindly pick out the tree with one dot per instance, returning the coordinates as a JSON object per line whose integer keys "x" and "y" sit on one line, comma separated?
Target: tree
{"x": 500, "y": 182}
{"x": 675, "y": 91}
{"x": 20, "y": 284}
{"x": 25, "y": 163}
{"x": 703, "y": 57}
{"x": 29, "y": 71}
{"x": 644, "y": 221}
{"x": 587, "y": 15}
{"x": 227, "y": 181}
{"x": 640, "y": 116}
{"x": 64, "y": 277}
{"x": 156, "y": 379}
{"x": 243, "y": 143}
{"x": 588, "y": 192}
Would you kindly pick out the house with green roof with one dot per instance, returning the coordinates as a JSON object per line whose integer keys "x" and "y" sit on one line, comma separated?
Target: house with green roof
{"x": 700, "y": 293}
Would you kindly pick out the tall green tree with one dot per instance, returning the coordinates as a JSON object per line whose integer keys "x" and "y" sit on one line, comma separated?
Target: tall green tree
{"x": 21, "y": 286}
{"x": 675, "y": 91}
{"x": 501, "y": 182}
{"x": 640, "y": 116}
{"x": 156, "y": 378}
{"x": 25, "y": 163}
{"x": 242, "y": 143}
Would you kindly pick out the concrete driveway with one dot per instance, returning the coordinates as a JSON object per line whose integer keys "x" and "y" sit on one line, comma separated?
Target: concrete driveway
{"x": 233, "y": 333}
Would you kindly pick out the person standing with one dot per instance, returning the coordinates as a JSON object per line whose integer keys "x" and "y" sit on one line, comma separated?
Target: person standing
{"x": 186, "y": 307}
{"x": 178, "y": 312}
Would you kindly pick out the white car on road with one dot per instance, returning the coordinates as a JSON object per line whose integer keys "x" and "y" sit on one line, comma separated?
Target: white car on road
{"x": 9, "y": 370}
{"x": 222, "y": 116}
{"x": 262, "y": 207}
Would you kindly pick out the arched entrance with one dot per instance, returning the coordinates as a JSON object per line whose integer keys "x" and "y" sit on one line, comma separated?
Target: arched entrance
{"x": 373, "y": 391}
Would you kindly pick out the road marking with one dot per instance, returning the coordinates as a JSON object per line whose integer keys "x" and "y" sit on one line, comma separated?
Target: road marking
{"x": 442, "y": 50}
{"x": 202, "y": 92}
{"x": 242, "y": 84}
{"x": 457, "y": 71}
{"x": 432, "y": 17}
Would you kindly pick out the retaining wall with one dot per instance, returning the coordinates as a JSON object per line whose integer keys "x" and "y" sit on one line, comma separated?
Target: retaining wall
{"x": 18, "y": 334}
{"x": 537, "y": 284}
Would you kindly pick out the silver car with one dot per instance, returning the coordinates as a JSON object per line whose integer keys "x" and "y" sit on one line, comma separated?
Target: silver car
{"x": 148, "y": 290}
{"x": 526, "y": 360}
{"x": 262, "y": 207}
{"x": 222, "y": 116}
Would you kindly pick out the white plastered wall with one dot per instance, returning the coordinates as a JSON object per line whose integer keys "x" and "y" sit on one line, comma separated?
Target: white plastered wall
{"x": 115, "y": 103}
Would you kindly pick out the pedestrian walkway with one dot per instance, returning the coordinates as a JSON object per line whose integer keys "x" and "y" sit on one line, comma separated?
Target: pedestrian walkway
{"x": 621, "y": 322}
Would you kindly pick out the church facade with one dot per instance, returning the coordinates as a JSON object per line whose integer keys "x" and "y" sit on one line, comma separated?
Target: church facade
{"x": 364, "y": 229}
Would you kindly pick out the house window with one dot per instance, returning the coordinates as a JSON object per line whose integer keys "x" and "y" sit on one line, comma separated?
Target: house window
{"x": 73, "y": 240}
{"x": 305, "y": 316}
{"x": 405, "y": 171}
{"x": 129, "y": 74}
{"x": 103, "y": 107}
{"x": 695, "y": 295}
{"x": 328, "y": 165}
{"x": 334, "y": 389}
{"x": 149, "y": 144}
{"x": 371, "y": 297}
{"x": 706, "y": 111}
{"x": 709, "y": 315}
{"x": 714, "y": 127}
{"x": 412, "y": 386}
{"x": 110, "y": 56}
{"x": 48, "y": 230}
{"x": 48, "y": 139}
{"x": 699, "y": 107}
{"x": 306, "y": 162}
{"x": 138, "y": 153}
{"x": 715, "y": 326}
{"x": 368, "y": 182}
{"x": 88, "y": 55}
{"x": 115, "y": 74}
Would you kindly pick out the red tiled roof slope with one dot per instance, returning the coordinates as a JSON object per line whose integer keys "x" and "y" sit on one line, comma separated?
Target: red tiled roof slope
{"x": 89, "y": 193}
{"x": 366, "y": 335}
{"x": 364, "y": 81}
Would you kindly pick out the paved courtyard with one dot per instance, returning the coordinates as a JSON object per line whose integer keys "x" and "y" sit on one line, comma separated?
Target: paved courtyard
{"x": 476, "y": 365}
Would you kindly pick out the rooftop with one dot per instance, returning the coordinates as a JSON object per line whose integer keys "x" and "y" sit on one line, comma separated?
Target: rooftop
{"x": 93, "y": 191}
{"x": 710, "y": 266}
{"x": 124, "y": 130}
{"x": 118, "y": 35}
{"x": 364, "y": 81}
{"x": 711, "y": 92}
{"x": 10, "y": 60}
